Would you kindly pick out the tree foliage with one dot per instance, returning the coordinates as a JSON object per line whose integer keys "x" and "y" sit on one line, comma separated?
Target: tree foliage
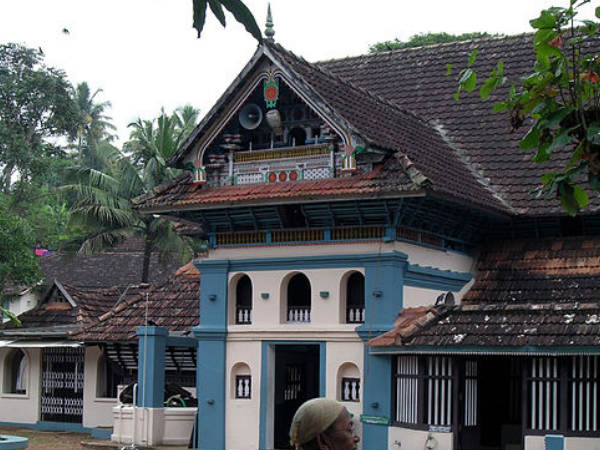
{"x": 35, "y": 106}
{"x": 421, "y": 39}
{"x": 18, "y": 263}
{"x": 104, "y": 199}
{"x": 559, "y": 101}
{"x": 240, "y": 12}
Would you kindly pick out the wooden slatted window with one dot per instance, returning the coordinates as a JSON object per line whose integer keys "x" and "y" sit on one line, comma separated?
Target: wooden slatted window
{"x": 407, "y": 382}
{"x": 583, "y": 393}
{"x": 471, "y": 393}
{"x": 438, "y": 393}
{"x": 543, "y": 396}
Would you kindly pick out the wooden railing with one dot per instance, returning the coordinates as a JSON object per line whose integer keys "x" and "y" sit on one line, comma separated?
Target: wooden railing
{"x": 343, "y": 233}
{"x": 242, "y": 238}
{"x": 301, "y": 235}
{"x": 281, "y": 153}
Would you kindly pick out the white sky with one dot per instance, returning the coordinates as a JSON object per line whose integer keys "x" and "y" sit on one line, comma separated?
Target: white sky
{"x": 144, "y": 53}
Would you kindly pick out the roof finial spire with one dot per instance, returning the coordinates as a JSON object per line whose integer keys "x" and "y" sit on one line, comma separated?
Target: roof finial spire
{"x": 269, "y": 31}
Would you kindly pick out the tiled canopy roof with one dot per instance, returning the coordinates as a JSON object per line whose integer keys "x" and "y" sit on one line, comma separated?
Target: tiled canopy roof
{"x": 526, "y": 293}
{"x": 89, "y": 305}
{"x": 173, "y": 304}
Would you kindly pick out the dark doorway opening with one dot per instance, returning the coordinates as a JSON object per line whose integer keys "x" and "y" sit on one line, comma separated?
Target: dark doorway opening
{"x": 497, "y": 423}
{"x": 296, "y": 380}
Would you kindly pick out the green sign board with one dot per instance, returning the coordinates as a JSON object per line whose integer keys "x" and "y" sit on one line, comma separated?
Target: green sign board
{"x": 378, "y": 420}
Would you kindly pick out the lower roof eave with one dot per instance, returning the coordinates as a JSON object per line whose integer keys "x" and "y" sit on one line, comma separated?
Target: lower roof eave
{"x": 165, "y": 209}
{"x": 487, "y": 350}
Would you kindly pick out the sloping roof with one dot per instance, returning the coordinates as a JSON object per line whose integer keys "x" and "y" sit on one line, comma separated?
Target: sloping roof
{"x": 90, "y": 304}
{"x": 120, "y": 266}
{"x": 415, "y": 79}
{"x": 173, "y": 304}
{"x": 527, "y": 293}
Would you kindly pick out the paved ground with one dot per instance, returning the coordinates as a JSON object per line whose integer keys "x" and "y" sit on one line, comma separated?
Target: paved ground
{"x": 49, "y": 440}
{"x": 62, "y": 440}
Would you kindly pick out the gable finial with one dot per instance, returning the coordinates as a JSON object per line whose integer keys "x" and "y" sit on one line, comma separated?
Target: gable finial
{"x": 269, "y": 31}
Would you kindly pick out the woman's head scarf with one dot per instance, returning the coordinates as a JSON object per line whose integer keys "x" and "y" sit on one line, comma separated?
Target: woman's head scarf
{"x": 313, "y": 418}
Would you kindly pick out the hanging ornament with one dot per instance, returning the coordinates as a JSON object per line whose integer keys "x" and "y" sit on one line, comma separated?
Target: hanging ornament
{"x": 271, "y": 92}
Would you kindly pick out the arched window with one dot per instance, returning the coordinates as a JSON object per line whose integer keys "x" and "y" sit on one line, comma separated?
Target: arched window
{"x": 348, "y": 383}
{"x": 16, "y": 371}
{"x": 355, "y": 298}
{"x": 241, "y": 381}
{"x": 298, "y": 298}
{"x": 243, "y": 301}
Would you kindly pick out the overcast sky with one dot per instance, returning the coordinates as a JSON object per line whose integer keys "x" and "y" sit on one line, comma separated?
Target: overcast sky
{"x": 144, "y": 54}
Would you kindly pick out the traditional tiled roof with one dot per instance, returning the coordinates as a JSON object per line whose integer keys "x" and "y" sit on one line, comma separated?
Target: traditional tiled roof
{"x": 423, "y": 160}
{"x": 89, "y": 305}
{"x": 173, "y": 304}
{"x": 120, "y": 266}
{"x": 527, "y": 293}
{"x": 415, "y": 79}
{"x": 181, "y": 193}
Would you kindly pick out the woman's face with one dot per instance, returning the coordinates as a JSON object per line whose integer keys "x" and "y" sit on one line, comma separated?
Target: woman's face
{"x": 341, "y": 434}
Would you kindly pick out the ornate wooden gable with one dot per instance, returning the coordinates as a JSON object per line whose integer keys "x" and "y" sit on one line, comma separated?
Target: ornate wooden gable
{"x": 272, "y": 133}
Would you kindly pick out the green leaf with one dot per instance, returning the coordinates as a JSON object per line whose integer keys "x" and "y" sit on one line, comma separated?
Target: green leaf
{"x": 546, "y": 20}
{"x": 487, "y": 87}
{"x": 472, "y": 57}
{"x": 564, "y": 138}
{"x": 448, "y": 69}
{"x": 531, "y": 139}
{"x": 597, "y": 11}
{"x": 199, "y": 15}
{"x": 580, "y": 196}
{"x": 499, "y": 107}
{"x": 243, "y": 15}
{"x": 468, "y": 80}
{"x": 567, "y": 197}
{"x": 217, "y": 10}
{"x": 556, "y": 117}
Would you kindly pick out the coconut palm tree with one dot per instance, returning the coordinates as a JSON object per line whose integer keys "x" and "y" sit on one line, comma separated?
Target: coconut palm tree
{"x": 104, "y": 198}
{"x": 94, "y": 127}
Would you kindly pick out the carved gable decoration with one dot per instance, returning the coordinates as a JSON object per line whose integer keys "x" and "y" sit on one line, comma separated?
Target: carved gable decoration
{"x": 270, "y": 132}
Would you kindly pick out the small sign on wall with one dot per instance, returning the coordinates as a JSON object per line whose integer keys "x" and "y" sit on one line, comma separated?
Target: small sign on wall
{"x": 377, "y": 420}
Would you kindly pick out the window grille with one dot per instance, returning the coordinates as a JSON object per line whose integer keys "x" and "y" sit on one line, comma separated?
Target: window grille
{"x": 543, "y": 398}
{"x": 471, "y": 393}
{"x": 243, "y": 386}
{"x": 438, "y": 382}
{"x": 351, "y": 389}
{"x": 583, "y": 393}
{"x": 407, "y": 389}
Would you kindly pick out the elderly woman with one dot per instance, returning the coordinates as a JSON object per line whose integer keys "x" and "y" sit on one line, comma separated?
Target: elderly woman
{"x": 322, "y": 424}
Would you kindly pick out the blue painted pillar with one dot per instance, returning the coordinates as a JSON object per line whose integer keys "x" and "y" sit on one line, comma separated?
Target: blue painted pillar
{"x": 384, "y": 282}
{"x": 151, "y": 366}
{"x": 211, "y": 376}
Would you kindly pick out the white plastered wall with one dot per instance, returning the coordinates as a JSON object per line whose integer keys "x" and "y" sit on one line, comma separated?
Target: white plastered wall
{"x": 22, "y": 408}
{"x": 269, "y": 313}
{"x": 97, "y": 412}
{"x": 242, "y": 416}
{"x": 338, "y": 354}
{"x": 404, "y": 438}
{"x": 576, "y": 443}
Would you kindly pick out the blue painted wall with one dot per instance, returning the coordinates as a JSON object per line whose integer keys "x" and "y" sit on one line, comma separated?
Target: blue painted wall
{"x": 211, "y": 376}
{"x": 151, "y": 366}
